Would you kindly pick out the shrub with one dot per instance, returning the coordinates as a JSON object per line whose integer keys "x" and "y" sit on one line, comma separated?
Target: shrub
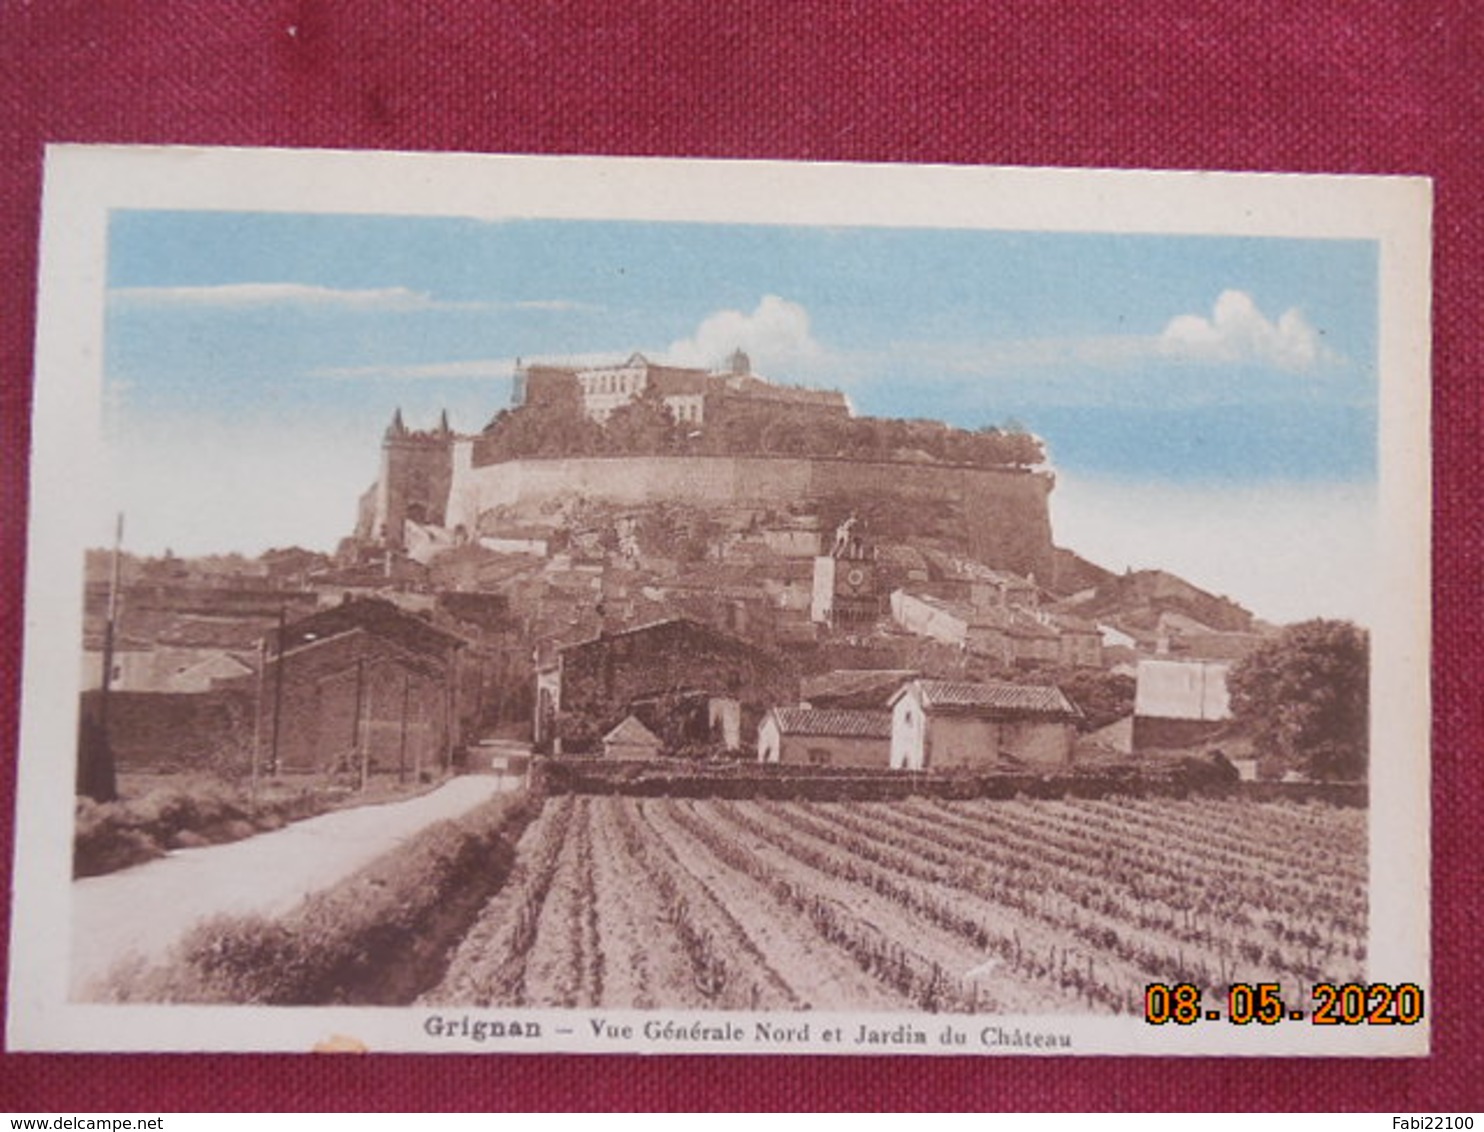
{"x": 200, "y": 811}
{"x": 374, "y": 937}
{"x": 105, "y": 840}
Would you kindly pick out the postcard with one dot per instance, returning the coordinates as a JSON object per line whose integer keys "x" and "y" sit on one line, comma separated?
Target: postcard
{"x": 495, "y": 603}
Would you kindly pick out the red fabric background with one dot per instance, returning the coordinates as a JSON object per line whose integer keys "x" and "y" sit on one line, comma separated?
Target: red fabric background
{"x": 1270, "y": 85}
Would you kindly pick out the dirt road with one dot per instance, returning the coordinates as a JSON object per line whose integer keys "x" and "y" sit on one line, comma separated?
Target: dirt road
{"x": 143, "y": 910}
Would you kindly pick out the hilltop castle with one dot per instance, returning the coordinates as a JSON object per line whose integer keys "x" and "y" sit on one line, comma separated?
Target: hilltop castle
{"x": 695, "y": 397}
{"x": 470, "y": 486}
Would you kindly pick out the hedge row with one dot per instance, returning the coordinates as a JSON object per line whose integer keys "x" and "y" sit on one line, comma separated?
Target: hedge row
{"x": 742, "y": 781}
{"x": 379, "y": 937}
{"x": 108, "y": 836}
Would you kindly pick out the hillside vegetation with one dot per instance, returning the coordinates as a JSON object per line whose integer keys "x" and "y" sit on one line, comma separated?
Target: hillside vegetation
{"x": 558, "y": 427}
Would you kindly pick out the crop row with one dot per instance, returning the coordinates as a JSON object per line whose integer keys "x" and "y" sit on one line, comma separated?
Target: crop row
{"x": 941, "y": 906}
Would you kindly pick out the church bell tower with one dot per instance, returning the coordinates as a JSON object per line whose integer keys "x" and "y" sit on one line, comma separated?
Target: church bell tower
{"x": 845, "y": 580}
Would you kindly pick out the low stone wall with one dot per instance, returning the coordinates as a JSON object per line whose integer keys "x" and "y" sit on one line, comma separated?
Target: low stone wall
{"x": 165, "y": 731}
{"x": 739, "y": 781}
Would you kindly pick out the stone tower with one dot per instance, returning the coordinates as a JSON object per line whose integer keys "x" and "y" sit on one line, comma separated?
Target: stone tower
{"x": 416, "y": 474}
{"x": 845, "y": 583}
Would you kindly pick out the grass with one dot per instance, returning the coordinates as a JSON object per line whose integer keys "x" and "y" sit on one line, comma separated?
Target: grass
{"x": 156, "y": 813}
{"x": 381, "y": 936}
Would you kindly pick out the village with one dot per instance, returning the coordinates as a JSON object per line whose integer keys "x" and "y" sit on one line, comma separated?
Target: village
{"x": 740, "y": 702}
{"x": 627, "y": 614}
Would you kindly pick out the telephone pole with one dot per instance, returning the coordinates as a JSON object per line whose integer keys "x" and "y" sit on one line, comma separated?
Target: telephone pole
{"x": 95, "y": 769}
{"x": 277, "y": 691}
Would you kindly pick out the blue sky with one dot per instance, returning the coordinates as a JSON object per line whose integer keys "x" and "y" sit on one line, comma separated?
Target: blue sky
{"x": 256, "y": 357}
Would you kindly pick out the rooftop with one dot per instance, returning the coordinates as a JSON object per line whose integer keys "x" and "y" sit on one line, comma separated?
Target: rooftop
{"x": 376, "y": 616}
{"x": 631, "y": 732}
{"x": 992, "y": 698}
{"x": 835, "y": 722}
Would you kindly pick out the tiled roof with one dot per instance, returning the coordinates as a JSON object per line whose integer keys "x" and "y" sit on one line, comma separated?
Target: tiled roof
{"x": 834, "y": 722}
{"x": 1034, "y": 699}
{"x": 376, "y": 616}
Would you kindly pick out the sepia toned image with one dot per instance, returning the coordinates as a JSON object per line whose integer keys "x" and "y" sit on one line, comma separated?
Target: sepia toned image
{"x": 485, "y": 604}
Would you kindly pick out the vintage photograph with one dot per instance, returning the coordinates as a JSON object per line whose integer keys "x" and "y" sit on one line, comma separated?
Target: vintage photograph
{"x": 497, "y": 604}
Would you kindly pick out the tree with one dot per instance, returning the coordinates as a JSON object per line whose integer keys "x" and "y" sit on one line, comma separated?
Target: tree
{"x": 554, "y": 424}
{"x": 1304, "y": 697}
{"x": 644, "y": 426}
{"x": 1102, "y": 697}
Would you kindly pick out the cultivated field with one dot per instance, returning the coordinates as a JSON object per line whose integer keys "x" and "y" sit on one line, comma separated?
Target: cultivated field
{"x": 1024, "y": 906}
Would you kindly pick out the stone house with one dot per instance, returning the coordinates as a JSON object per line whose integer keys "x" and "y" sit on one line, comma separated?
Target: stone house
{"x": 167, "y": 669}
{"x": 824, "y": 737}
{"x": 672, "y": 668}
{"x": 1179, "y": 703}
{"x": 1079, "y": 641}
{"x": 944, "y": 725}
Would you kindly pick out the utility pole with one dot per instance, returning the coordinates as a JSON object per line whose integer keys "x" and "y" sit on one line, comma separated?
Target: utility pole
{"x": 257, "y": 726}
{"x": 402, "y": 745}
{"x": 362, "y": 747}
{"x": 451, "y": 674}
{"x": 96, "y": 776}
{"x": 277, "y": 691}
{"x": 108, "y": 626}
{"x": 423, "y": 733}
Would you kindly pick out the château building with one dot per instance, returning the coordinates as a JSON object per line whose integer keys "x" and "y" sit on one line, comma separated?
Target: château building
{"x": 694, "y": 396}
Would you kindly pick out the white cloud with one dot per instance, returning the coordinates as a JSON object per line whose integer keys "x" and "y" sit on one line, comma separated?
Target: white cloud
{"x": 1238, "y": 332}
{"x": 776, "y": 336}
{"x": 277, "y": 294}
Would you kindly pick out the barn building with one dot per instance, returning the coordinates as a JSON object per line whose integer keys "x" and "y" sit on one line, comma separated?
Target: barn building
{"x": 943, "y": 725}
{"x": 363, "y": 683}
{"x": 686, "y": 681}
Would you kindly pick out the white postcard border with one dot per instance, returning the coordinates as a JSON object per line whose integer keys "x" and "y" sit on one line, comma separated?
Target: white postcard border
{"x": 84, "y": 183}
